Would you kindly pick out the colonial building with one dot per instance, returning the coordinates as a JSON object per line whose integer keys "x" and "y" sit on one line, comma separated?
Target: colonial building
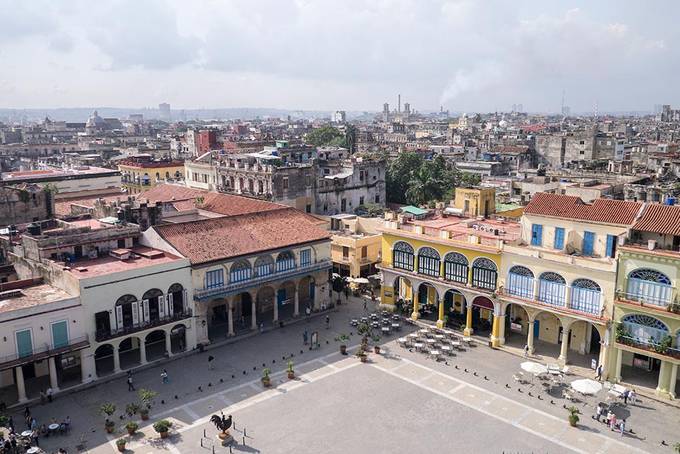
{"x": 446, "y": 268}
{"x": 356, "y": 245}
{"x": 140, "y": 173}
{"x": 253, "y": 269}
{"x": 558, "y": 279}
{"x": 646, "y": 312}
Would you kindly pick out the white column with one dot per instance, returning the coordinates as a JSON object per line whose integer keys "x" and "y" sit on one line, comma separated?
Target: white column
{"x": 116, "y": 360}
{"x": 253, "y": 324}
{"x": 230, "y": 316}
{"x": 87, "y": 372}
{"x": 564, "y": 346}
{"x": 530, "y": 335}
{"x": 168, "y": 343}
{"x": 674, "y": 380}
{"x": 54, "y": 382}
{"x": 567, "y": 296}
{"x": 619, "y": 362}
{"x": 142, "y": 352}
{"x": 296, "y": 309}
{"x": 21, "y": 386}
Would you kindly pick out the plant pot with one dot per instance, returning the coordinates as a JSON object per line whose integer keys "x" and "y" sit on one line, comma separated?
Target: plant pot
{"x": 121, "y": 448}
{"x": 223, "y": 435}
{"x": 164, "y": 434}
{"x": 343, "y": 349}
{"x": 266, "y": 382}
{"x": 145, "y": 416}
{"x": 131, "y": 431}
{"x": 363, "y": 358}
{"x": 573, "y": 420}
{"x": 109, "y": 428}
{"x": 376, "y": 349}
{"x": 291, "y": 375}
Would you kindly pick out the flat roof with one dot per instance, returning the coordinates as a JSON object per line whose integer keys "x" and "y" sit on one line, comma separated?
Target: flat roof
{"x": 31, "y": 296}
{"x": 143, "y": 257}
{"x": 38, "y": 175}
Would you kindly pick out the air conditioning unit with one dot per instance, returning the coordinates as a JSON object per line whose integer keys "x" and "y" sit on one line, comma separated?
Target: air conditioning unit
{"x": 651, "y": 244}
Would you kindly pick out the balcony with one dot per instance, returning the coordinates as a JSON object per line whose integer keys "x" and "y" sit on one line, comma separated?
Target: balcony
{"x": 595, "y": 263}
{"x": 657, "y": 349}
{"x": 103, "y": 335}
{"x": 38, "y": 354}
{"x": 588, "y": 304}
{"x": 234, "y": 287}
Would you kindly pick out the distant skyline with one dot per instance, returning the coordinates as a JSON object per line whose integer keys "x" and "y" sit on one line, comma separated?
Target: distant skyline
{"x": 354, "y": 55}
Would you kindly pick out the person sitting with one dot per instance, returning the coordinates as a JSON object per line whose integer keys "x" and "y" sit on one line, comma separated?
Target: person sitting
{"x": 43, "y": 431}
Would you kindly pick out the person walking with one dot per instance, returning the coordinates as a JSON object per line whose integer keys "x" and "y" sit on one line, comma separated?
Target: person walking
{"x": 614, "y": 423}
{"x": 328, "y": 322}
{"x": 598, "y": 375}
{"x": 131, "y": 387}
{"x": 261, "y": 327}
{"x": 308, "y": 311}
{"x": 305, "y": 337}
{"x": 10, "y": 424}
{"x": 50, "y": 392}
{"x": 622, "y": 426}
{"x": 610, "y": 415}
{"x": 526, "y": 350}
{"x": 365, "y": 305}
{"x": 625, "y": 396}
{"x": 43, "y": 397}
{"x": 632, "y": 396}
{"x": 164, "y": 377}
{"x": 211, "y": 360}
{"x": 598, "y": 412}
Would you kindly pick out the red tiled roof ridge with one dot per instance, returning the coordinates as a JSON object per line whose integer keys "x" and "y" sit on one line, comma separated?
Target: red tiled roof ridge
{"x": 606, "y": 211}
{"x": 659, "y": 218}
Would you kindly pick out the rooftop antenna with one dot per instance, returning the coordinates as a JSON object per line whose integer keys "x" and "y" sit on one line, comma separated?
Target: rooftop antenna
{"x": 399, "y": 103}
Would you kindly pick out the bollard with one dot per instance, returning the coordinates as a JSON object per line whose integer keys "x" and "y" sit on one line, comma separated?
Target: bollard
{"x": 230, "y": 449}
{"x": 244, "y": 432}
{"x": 213, "y": 449}
{"x": 204, "y": 433}
{"x": 201, "y": 442}
{"x": 244, "y": 441}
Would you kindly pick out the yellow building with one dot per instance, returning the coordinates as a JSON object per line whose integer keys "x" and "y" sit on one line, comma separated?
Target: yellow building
{"x": 355, "y": 245}
{"x": 475, "y": 202}
{"x": 445, "y": 268}
{"x": 140, "y": 173}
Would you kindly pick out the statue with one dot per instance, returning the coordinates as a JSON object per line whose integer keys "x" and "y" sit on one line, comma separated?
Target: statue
{"x": 223, "y": 424}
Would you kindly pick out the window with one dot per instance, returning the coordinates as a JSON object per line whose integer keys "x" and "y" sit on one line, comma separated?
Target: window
{"x": 24, "y": 343}
{"x": 361, "y": 200}
{"x": 264, "y": 266}
{"x": 588, "y": 243}
{"x": 649, "y": 286}
{"x": 456, "y": 267}
{"x": 402, "y": 256}
{"x": 240, "y": 271}
{"x": 559, "y": 238}
{"x": 59, "y": 334}
{"x": 214, "y": 279}
{"x": 305, "y": 257}
{"x": 585, "y": 296}
{"x": 520, "y": 282}
{"x": 536, "y": 234}
{"x": 285, "y": 182}
{"x": 552, "y": 289}
{"x": 345, "y": 252}
{"x": 484, "y": 273}
{"x": 428, "y": 261}
{"x": 285, "y": 261}
{"x": 364, "y": 252}
{"x": 377, "y": 198}
{"x": 611, "y": 246}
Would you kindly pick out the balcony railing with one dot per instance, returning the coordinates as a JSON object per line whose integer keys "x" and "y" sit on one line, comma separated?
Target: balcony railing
{"x": 205, "y": 293}
{"x": 102, "y": 335}
{"x": 589, "y": 307}
{"x": 646, "y": 292}
{"x": 44, "y": 352}
{"x": 649, "y": 345}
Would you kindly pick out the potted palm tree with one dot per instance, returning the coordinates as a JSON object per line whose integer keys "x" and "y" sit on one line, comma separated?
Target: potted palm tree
{"x": 132, "y": 409}
{"x": 290, "y": 371}
{"x": 146, "y": 397}
{"x": 108, "y": 409}
{"x": 120, "y": 443}
{"x": 266, "y": 380}
{"x": 162, "y": 427}
{"x": 131, "y": 427}
{"x": 343, "y": 338}
{"x": 573, "y": 416}
{"x": 361, "y": 354}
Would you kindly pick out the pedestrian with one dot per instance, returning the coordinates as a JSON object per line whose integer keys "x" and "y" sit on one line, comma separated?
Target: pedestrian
{"x": 632, "y": 396}
{"x": 27, "y": 412}
{"x": 43, "y": 397}
{"x": 305, "y": 336}
{"x": 308, "y": 311}
{"x": 598, "y": 377}
{"x": 598, "y": 412}
{"x": 328, "y": 322}
{"x": 34, "y": 437}
{"x": 10, "y": 424}
{"x": 34, "y": 424}
{"x": 164, "y": 377}
{"x": 49, "y": 394}
{"x": 261, "y": 327}
{"x": 622, "y": 426}
{"x": 625, "y": 395}
{"x": 526, "y": 350}
{"x": 131, "y": 387}
{"x": 365, "y": 305}
{"x": 211, "y": 360}
{"x": 610, "y": 415}
{"x": 613, "y": 425}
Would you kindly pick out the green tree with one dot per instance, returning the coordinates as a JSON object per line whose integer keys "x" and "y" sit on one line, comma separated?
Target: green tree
{"x": 400, "y": 172}
{"x": 351, "y": 138}
{"x": 325, "y": 136}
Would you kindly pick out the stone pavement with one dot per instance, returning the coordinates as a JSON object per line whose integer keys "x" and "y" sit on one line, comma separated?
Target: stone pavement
{"x": 336, "y": 401}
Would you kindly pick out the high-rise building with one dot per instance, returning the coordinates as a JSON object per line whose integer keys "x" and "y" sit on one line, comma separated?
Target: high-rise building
{"x": 164, "y": 109}
{"x": 339, "y": 116}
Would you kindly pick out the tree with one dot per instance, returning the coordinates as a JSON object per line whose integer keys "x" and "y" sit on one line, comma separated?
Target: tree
{"x": 399, "y": 173}
{"x": 325, "y": 136}
{"x": 350, "y": 137}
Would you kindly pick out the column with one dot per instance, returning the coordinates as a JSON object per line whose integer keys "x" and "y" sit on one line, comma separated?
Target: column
{"x": 564, "y": 346}
{"x": 501, "y": 330}
{"x": 664, "y": 377}
{"x": 536, "y": 283}
{"x": 674, "y": 380}
{"x": 87, "y": 373}
{"x": 168, "y": 344}
{"x": 567, "y": 296}
{"x": 253, "y": 323}
{"x": 54, "y": 382}
{"x": 276, "y": 307}
{"x": 416, "y": 305}
{"x": 230, "y": 316}
{"x": 440, "y": 321}
{"x": 21, "y": 386}
{"x": 116, "y": 360}
{"x": 296, "y": 307}
{"x": 142, "y": 352}
{"x": 468, "y": 321}
{"x": 530, "y": 335}
{"x": 617, "y": 366}
{"x": 498, "y": 321}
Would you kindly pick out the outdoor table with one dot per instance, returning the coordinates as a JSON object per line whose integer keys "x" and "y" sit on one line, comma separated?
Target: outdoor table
{"x": 364, "y": 319}
{"x": 423, "y": 331}
{"x": 455, "y": 344}
{"x": 396, "y": 325}
{"x": 418, "y": 345}
{"x": 446, "y": 349}
{"x": 375, "y": 325}
{"x": 430, "y": 341}
{"x": 53, "y": 427}
{"x": 554, "y": 372}
{"x": 26, "y": 433}
{"x": 435, "y": 353}
{"x": 402, "y": 340}
{"x": 385, "y": 329}
{"x": 395, "y": 318}
{"x": 439, "y": 336}
{"x": 412, "y": 336}
{"x": 354, "y": 322}
{"x": 33, "y": 450}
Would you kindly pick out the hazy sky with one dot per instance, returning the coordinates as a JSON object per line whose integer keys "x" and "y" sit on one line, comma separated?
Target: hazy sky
{"x": 468, "y": 55}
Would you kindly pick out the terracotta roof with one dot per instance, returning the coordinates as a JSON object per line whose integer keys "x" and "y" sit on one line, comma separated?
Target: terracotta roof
{"x": 209, "y": 240}
{"x": 226, "y": 204}
{"x": 605, "y": 211}
{"x": 657, "y": 218}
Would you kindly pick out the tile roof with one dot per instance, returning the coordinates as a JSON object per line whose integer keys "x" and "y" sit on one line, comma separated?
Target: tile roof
{"x": 604, "y": 211}
{"x": 657, "y": 218}
{"x": 232, "y": 236}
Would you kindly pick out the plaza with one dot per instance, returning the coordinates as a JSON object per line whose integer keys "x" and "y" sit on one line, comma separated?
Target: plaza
{"x": 400, "y": 401}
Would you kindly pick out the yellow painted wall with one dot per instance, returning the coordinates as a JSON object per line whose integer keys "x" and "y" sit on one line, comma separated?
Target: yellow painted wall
{"x": 476, "y": 199}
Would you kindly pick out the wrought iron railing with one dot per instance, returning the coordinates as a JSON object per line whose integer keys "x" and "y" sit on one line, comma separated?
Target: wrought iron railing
{"x": 102, "y": 335}
{"x": 45, "y": 351}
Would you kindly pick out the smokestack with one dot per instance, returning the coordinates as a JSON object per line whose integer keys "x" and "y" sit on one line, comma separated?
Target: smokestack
{"x": 399, "y": 103}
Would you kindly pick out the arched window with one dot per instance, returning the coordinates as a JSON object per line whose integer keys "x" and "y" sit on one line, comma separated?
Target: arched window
{"x": 428, "y": 261}
{"x": 520, "y": 282}
{"x": 153, "y": 305}
{"x": 586, "y": 296}
{"x": 649, "y": 286}
{"x": 456, "y": 267}
{"x": 264, "y": 266}
{"x": 127, "y": 312}
{"x": 285, "y": 261}
{"x": 644, "y": 329}
{"x": 552, "y": 289}
{"x": 402, "y": 256}
{"x": 176, "y": 299}
{"x": 484, "y": 273}
{"x": 240, "y": 271}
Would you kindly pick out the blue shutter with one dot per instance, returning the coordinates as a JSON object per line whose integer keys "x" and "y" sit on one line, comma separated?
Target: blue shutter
{"x": 59, "y": 334}
{"x": 611, "y": 241}
{"x": 24, "y": 343}
{"x": 536, "y": 235}
{"x": 588, "y": 242}
{"x": 559, "y": 238}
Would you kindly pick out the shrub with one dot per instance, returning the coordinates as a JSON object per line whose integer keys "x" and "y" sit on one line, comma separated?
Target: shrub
{"x": 162, "y": 426}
